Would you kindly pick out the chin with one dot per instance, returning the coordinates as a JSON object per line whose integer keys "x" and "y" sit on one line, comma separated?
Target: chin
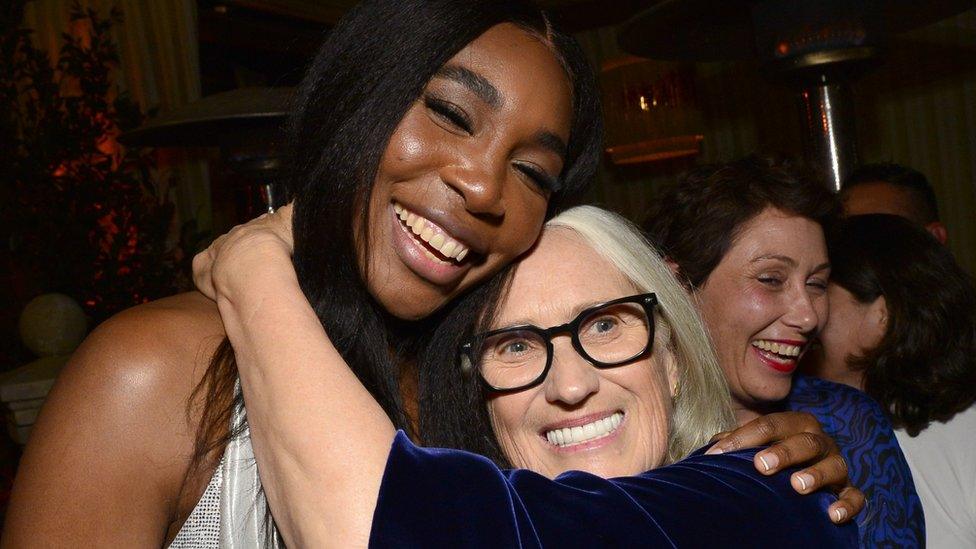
{"x": 407, "y": 304}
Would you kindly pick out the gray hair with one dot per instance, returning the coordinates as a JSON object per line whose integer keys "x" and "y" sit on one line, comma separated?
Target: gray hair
{"x": 702, "y": 406}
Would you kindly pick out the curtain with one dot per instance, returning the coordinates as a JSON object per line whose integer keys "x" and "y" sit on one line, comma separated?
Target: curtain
{"x": 159, "y": 68}
{"x": 918, "y": 109}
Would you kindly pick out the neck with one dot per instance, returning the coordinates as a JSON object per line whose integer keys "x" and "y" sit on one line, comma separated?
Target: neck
{"x": 744, "y": 415}
{"x": 746, "y": 412}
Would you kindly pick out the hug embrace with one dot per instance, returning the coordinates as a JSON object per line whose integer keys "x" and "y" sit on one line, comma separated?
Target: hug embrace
{"x": 428, "y": 347}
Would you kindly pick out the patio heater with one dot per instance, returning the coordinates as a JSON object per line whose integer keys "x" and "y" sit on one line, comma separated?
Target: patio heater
{"x": 246, "y": 124}
{"x": 820, "y": 46}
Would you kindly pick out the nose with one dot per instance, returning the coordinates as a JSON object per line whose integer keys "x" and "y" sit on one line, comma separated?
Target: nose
{"x": 480, "y": 186}
{"x": 571, "y": 378}
{"x": 802, "y": 313}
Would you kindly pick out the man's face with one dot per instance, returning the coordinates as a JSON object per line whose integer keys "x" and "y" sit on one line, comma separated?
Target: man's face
{"x": 880, "y": 197}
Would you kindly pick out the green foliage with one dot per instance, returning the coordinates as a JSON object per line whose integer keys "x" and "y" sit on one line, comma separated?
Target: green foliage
{"x": 82, "y": 215}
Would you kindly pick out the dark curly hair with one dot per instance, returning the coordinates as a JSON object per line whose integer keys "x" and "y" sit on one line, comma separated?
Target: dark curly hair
{"x": 695, "y": 222}
{"x": 924, "y": 369}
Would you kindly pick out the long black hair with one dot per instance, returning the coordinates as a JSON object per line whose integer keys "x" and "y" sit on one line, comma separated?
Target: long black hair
{"x": 924, "y": 368}
{"x": 366, "y": 75}
{"x": 361, "y": 83}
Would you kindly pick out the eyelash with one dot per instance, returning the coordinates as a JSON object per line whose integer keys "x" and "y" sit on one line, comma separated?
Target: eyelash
{"x": 540, "y": 178}
{"x": 818, "y": 284}
{"x": 776, "y": 282}
{"x": 449, "y": 112}
{"x": 458, "y": 118}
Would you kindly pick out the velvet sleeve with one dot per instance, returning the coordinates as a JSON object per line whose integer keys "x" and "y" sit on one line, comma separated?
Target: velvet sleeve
{"x": 893, "y": 516}
{"x": 450, "y": 498}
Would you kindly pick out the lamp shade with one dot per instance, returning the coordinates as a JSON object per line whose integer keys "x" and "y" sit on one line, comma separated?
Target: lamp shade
{"x": 651, "y": 110}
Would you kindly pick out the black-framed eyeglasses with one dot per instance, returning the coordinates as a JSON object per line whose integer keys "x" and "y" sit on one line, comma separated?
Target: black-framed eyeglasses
{"x": 607, "y": 335}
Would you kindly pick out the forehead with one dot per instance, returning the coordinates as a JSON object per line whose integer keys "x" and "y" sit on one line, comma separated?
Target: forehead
{"x": 878, "y": 197}
{"x": 505, "y": 54}
{"x": 559, "y": 277}
{"x": 775, "y": 232}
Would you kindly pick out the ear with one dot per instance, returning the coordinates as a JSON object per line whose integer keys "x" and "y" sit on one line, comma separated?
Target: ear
{"x": 938, "y": 230}
{"x": 875, "y": 324}
{"x": 675, "y": 269}
{"x": 671, "y": 368}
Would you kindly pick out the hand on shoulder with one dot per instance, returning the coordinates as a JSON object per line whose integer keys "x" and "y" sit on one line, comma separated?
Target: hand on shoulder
{"x": 247, "y": 255}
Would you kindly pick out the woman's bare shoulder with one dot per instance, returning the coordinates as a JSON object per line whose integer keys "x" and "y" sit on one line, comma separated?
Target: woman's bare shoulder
{"x": 165, "y": 344}
{"x": 116, "y": 434}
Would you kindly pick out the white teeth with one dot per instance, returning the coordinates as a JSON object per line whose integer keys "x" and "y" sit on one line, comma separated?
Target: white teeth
{"x": 777, "y": 348}
{"x": 569, "y": 436}
{"x": 431, "y": 234}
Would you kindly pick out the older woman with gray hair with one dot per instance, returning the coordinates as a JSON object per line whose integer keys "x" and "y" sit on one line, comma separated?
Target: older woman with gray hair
{"x": 593, "y": 364}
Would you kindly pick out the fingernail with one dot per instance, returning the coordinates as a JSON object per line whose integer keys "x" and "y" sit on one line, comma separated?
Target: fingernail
{"x": 840, "y": 514}
{"x": 804, "y": 480}
{"x": 714, "y": 450}
{"x": 769, "y": 461}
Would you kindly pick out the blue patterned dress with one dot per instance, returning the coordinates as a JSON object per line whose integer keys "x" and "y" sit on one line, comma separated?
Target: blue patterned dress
{"x": 893, "y": 517}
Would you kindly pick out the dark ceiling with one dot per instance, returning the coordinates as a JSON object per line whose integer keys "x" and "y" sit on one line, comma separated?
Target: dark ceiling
{"x": 575, "y": 15}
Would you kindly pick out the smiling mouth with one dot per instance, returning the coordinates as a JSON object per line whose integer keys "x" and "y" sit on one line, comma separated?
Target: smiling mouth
{"x": 571, "y": 436}
{"x": 782, "y": 356}
{"x": 436, "y": 242}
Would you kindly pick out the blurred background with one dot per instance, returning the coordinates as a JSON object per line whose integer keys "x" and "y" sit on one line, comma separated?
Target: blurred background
{"x": 133, "y": 132}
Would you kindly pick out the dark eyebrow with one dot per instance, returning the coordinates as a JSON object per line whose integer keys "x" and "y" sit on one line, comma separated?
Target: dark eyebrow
{"x": 785, "y": 259}
{"x": 821, "y": 267}
{"x": 478, "y": 84}
{"x": 552, "y": 142}
{"x": 790, "y": 261}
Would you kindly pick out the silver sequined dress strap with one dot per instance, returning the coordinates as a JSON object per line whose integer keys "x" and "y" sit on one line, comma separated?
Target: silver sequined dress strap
{"x": 231, "y": 512}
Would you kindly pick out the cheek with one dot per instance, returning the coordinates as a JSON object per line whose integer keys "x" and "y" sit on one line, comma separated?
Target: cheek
{"x": 412, "y": 144}
{"x": 821, "y": 307}
{"x": 737, "y": 315}
{"x": 520, "y": 229}
{"x": 507, "y": 413}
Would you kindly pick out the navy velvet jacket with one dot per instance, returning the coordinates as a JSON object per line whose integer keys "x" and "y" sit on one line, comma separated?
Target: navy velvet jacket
{"x": 893, "y": 516}
{"x": 450, "y": 498}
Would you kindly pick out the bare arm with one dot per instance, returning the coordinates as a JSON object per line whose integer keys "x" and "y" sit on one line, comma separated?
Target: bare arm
{"x": 108, "y": 455}
{"x": 330, "y": 438}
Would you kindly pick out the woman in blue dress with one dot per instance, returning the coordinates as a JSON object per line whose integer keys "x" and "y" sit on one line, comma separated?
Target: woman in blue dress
{"x": 747, "y": 239}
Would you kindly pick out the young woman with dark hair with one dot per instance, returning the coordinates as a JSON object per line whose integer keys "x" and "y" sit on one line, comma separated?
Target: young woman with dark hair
{"x": 415, "y": 131}
{"x": 748, "y": 239}
{"x": 902, "y": 328}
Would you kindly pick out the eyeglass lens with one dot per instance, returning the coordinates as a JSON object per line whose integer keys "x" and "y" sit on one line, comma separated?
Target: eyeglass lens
{"x": 610, "y": 335}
